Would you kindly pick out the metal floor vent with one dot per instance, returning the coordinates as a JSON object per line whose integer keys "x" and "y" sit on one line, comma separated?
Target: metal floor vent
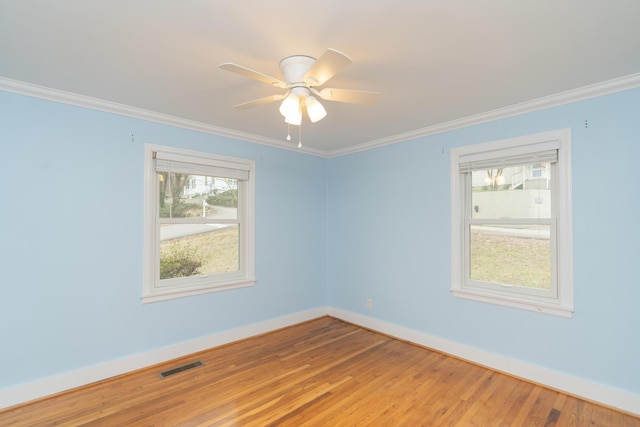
{"x": 168, "y": 373}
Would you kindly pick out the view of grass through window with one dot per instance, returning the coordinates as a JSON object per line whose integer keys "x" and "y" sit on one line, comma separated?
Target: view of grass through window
{"x": 510, "y": 259}
{"x": 204, "y": 253}
{"x": 200, "y": 233}
{"x": 516, "y": 252}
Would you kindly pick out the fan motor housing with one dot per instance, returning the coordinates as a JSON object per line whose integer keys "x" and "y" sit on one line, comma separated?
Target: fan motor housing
{"x": 294, "y": 68}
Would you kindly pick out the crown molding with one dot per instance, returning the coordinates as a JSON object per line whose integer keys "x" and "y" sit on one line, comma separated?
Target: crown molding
{"x": 70, "y": 98}
{"x": 592, "y": 91}
{"x": 599, "y": 89}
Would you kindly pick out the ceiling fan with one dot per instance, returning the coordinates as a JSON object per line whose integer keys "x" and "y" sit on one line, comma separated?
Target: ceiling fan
{"x": 301, "y": 76}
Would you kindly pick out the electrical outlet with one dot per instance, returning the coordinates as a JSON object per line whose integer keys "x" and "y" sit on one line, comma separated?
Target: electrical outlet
{"x": 369, "y": 303}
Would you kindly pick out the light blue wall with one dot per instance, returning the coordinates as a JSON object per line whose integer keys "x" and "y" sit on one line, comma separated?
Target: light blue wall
{"x": 71, "y": 239}
{"x": 389, "y": 240}
{"x": 329, "y": 232}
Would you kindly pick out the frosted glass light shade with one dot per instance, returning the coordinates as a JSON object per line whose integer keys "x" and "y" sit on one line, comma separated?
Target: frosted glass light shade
{"x": 290, "y": 109}
{"x": 295, "y": 118}
{"x": 315, "y": 110}
{"x": 290, "y": 105}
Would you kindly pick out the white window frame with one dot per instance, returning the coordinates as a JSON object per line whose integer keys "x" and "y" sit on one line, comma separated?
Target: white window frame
{"x": 152, "y": 290}
{"x": 558, "y": 304}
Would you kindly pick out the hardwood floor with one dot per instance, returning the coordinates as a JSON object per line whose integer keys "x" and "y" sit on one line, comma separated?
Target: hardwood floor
{"x": 320, "y": 373}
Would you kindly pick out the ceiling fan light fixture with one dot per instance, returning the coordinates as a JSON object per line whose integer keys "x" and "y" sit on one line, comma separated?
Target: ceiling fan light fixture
{"x": 315, "y": 110}
{"x": 302, "y": 75}
{"x": 289, "y": 105}
{"x": 290, "y": 108}
{"x": 294, "y": 119}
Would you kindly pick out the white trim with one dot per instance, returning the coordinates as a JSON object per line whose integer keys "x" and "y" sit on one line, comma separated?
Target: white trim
{"x": 580, "y": 94}
{"x": 562, "y": 304}
{"x": 151, "y": 292}
{"x": 55, "y": 95}
{"x": 173, "y": 293}
{"x": 513, "y": 302}
{"x": 620, "y": 84}
{"x": 579, "y": 387}
{"x": 80, "y": 377}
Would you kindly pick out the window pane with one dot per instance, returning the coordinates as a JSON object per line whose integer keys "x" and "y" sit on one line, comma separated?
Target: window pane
{"x": 183, "y": 196}
{"x": 511, "y": 255}
{"x": 198, "y": 249}
{"x": 512, "y": 192}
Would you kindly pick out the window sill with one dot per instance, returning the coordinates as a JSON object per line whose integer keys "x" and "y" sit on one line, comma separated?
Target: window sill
{"x": 167, "y": 294}
{"x": 506, "y": 301}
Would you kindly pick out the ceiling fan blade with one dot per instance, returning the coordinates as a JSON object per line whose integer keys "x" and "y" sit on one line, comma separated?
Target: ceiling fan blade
{"x": 260, "y": 101}
{"x": 327, "y": 66}
{"x": 347, "y": 95}
{"x": 247, "y": 72}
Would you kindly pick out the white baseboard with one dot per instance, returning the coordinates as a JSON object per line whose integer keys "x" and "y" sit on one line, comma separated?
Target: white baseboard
{"x": 58, "y": 383}
{"x": 579, "y": 387}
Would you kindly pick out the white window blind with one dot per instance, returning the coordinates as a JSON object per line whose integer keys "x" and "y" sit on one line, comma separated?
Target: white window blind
{"x": 542, "y": 152}
{"x": 168, "y": 162}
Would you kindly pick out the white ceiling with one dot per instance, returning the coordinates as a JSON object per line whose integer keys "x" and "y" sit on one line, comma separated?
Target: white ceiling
{"x": 432, "y": 61}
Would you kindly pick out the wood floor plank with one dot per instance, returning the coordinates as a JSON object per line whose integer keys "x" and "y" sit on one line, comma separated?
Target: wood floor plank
{"x": 488, "y": 410}
{"x": 320, "y": 373}
{"x": 542, "y": 411}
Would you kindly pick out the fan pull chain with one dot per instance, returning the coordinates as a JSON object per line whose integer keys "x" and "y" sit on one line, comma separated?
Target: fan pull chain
{"x": 300, "y": 136}
{"x": 288, "y": 132}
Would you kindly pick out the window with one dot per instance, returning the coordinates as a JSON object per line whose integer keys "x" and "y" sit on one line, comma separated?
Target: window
{"x": 511, "y": 223}
{"x": 199, "y": 223}
{"x": 537, "y": 170}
